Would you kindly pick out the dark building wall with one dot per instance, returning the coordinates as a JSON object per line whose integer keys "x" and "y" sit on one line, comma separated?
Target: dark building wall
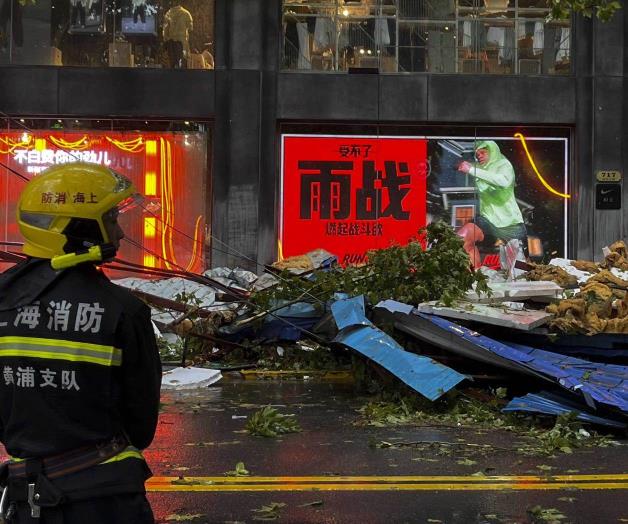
{"x": 244, "y": 214}
{"x": 107, "y": 92}
{"x": 248, "y": 98}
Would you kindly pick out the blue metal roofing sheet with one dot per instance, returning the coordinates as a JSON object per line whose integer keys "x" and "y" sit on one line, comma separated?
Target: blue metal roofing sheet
{"x": 608, "y": 387}
{"x": 423, "y": 374}
{"x": 550, "y": 404}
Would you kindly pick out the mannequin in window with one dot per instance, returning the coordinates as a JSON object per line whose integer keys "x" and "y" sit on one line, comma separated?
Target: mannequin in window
{"x": 297, "y": 30}
{"x": 78, "y": 12}
{"x": 526, "y": 49}
{"x": 139, "y": 11}
{"x": 178, "y": 23}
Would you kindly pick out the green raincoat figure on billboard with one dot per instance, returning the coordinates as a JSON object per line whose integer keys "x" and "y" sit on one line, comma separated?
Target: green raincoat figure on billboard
{"x": 500, "y": 217}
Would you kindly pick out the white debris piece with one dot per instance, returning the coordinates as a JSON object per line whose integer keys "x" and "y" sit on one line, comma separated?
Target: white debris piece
{"x": 243, "y": 278}
{"x": 509, "y": 255}
{"x": 171, "y": 287}
{"x": 218, "y": 272}
{"x": 565, "y": 263}
{"x": 497, "y": 316}
{"x": 265, "y": 281}
{"x": 583, "y": 276}
{"x": 514, "y": 306}
{"x": 156, "y": 330}
{"x": 320, "y": 257}
{"x": 232, "y": 278}
{"x": 521, "y": 290}
{"x": 189, "y": 378}
{"x": 492, "y": 274}
{"x": 619, "y": 273}
{"x": 172, "y": 338}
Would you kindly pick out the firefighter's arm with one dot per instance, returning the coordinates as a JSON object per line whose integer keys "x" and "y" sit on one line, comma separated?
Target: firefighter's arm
{"x": 141, "y": 377}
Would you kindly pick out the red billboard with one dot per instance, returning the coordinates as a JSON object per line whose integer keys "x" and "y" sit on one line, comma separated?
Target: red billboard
{"x": 351, "y": 194}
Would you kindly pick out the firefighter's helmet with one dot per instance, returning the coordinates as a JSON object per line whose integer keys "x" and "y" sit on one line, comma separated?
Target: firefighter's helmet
{"x": 62, "y": 209}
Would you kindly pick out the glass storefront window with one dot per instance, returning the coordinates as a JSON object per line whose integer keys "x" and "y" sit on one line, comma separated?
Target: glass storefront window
{"x": 443, "y": 36}
{"x": 167, "y": 161}
{"x": 108, "y": 33}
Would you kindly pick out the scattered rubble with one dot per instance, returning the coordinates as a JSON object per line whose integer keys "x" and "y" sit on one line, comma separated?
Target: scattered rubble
{"x": 306, "y": 314}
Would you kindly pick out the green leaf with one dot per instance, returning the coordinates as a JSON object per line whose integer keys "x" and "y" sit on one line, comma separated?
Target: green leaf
{"x": 313, "y": 504}
{"x": 268, "y": 512}
{"x": 240, "y": 471}
{"x": 186, "y": 517}
{"x": 268, "y": 422}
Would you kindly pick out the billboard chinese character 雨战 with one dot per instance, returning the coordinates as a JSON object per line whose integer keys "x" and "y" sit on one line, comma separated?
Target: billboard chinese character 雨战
{"x": 349, "y": 194}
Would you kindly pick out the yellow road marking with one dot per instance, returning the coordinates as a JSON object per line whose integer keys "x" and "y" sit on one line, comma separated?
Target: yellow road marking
{"x": 402, "y": 478}
{"x": 387, "y": 487}
{"x": 389, "y": 483}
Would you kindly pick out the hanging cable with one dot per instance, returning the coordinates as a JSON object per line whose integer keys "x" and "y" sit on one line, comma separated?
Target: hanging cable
{"x": 246, "y": 301}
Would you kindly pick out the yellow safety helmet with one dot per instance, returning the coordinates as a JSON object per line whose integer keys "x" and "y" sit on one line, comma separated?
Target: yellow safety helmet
{"x": 64, "y": 206}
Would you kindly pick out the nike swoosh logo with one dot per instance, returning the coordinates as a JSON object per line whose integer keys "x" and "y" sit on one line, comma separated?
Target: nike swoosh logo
{"x": 606, "y": 192}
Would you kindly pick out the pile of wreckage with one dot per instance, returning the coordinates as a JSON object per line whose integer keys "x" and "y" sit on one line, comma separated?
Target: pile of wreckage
{"x": 561, "y": 327}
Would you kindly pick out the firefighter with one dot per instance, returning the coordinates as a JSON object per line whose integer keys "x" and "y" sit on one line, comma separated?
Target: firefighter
{"x": 79, "y": 389}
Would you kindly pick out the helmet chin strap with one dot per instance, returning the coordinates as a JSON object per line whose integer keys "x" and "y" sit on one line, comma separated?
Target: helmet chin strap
{"x": 93, "y": 254}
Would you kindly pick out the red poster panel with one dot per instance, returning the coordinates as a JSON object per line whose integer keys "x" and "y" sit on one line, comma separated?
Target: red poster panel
{"x": 351, "y": 194}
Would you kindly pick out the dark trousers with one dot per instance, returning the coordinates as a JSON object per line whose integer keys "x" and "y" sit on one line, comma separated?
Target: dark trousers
{"x": 174, "y": 48}
{"x": 117, "y": 509}
{"x": 492, "y": 233}
{"x": 139, "y": 12}
{"x": 78, "y": 14}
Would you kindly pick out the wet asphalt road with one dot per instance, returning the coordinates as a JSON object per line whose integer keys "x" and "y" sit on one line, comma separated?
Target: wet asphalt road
{"x": 426, "y": 480}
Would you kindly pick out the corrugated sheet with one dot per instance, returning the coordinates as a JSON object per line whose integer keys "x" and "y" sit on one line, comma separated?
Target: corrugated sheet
{"x": 603, "y": 383}
{"x": 422, "y": 374}
{"x": 551, "y": 404}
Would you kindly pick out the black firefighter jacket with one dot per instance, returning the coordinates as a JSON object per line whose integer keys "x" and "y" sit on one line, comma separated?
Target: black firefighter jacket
{"x": 78, "y": 361}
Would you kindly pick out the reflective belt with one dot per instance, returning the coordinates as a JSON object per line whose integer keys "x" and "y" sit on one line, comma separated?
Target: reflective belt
{"x": 57, "y": 349}
{"x": 129, "y": 452}
{"x": 76, "y": 460}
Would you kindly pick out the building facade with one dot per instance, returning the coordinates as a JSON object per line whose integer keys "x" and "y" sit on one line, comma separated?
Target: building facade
{"x": 222, "y": 112}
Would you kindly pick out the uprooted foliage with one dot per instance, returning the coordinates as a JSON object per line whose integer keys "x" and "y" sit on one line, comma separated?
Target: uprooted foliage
{"x": 457, "y": 409}
{"x": 410, "y": 274}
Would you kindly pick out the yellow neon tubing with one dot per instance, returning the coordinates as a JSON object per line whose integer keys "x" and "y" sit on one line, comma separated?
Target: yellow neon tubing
{"x": 197, "y": 240}
{"x": 530, "y": 159}
{"x": 164, "y": 203}
{"x": 13, "y": 145}
{"x": 130, "y": 146}
{"x": 78, "y": 145}
{"x": 171, "y": 213}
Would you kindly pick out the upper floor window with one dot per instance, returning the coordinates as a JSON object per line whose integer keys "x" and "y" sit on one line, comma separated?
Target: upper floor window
{"x": 437, "y": 36}
{"x": 102, "y": 33}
